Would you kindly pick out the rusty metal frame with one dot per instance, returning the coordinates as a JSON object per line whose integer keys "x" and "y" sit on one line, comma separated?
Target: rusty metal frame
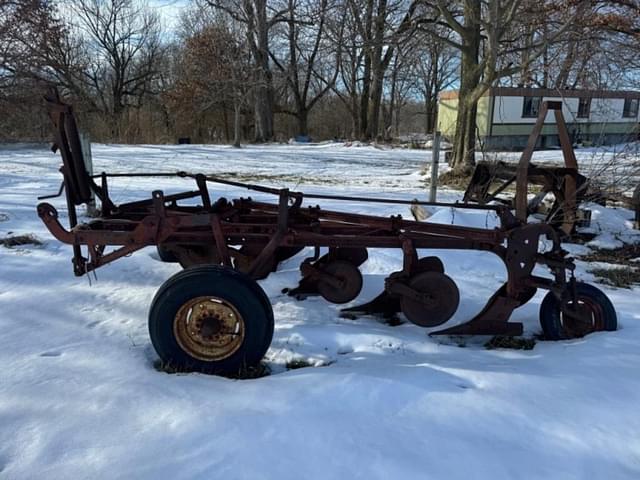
{"x": 566, "y": 183}
{"x": 225, "y": 230}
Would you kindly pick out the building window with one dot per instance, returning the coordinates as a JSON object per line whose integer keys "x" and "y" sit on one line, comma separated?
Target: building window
{"x": 584, "y": 105}
{"x": 630, "y": 107}
{"x": 531, "y": 106}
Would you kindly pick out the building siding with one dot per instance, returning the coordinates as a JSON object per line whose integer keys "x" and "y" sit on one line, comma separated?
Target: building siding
{"x": 501, "y": 125}
{"x": 448, "y": 110}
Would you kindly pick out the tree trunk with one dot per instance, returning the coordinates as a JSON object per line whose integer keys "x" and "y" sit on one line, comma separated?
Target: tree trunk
{"x": 302, "y": 116}
{"x": 470, "y": 73}
{"x": 366, "y": 73}
{"x": 364, "y": 99}
{"x": 393, "y": 105}
{"x": 378, "y": 67}
{"x": 355, "y": 120}
{"x": 428, "y": 114}
{"x": 264, "y": 90}
{"x": 237, "y": 112}
{"x": 225, "y": 120}
{"x": 465, "y": 138}
{"x": 375, "y": 102}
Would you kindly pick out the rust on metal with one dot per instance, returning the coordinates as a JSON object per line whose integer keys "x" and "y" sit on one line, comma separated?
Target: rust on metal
{"x": 566, "y": 184}
{"x": 209, "y": 328}
{"x": 254, "y": 237}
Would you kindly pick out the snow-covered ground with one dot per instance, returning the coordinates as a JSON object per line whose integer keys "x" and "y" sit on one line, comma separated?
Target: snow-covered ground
{"x": 80, "y": 398}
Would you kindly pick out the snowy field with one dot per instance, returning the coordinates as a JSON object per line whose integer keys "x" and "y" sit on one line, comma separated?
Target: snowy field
{"x": 81, "y": 399}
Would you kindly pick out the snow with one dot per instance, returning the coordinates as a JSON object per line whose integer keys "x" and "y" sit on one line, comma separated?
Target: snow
{"x": 80, "y": 398}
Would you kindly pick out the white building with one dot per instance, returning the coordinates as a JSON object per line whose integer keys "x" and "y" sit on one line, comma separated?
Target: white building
{"x": 506, "y": 116}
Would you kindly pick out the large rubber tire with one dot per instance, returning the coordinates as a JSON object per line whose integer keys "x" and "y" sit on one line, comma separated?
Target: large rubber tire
{"x": 589, "y": 297}
{"x": 235, "y": 289}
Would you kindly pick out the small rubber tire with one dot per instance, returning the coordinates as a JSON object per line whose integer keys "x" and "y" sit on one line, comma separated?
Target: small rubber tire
{"x": 236, "y": 289}
{"x": 604, "y": 314}
{"x": 166, "y": 255}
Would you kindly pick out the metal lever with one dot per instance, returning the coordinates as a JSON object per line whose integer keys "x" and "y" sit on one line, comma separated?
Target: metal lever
{"x": 46, "y": 197}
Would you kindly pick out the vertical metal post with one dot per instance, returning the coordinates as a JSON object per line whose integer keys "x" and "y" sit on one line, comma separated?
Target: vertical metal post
{"x": 435, "y": 159}
{"x": 85, "y": 144}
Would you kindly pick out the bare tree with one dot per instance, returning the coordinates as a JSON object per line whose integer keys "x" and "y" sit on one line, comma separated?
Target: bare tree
{"x": 121, "y": 42}
{"x": 372, "y": 30}
{"x": 487, "y": 34}
{"x": 399, "y": 85}
{"x": 27, "y": 28}
{"x": 305, "y": 58}
{"x": 215, "y": 71}
{"x": 348, "y": 84}
{"x": 435, "y": 66}
{"x": 384, "y": 26}
{"x": 258, "y": 18}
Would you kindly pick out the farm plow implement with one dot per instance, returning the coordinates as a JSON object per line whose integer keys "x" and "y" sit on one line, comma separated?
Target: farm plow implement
{"x": 214, "y": 317}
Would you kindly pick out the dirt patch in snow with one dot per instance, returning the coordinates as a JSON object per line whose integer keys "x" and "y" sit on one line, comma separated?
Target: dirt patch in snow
{"x": 621, "y": 273}
{"x": 622, "y": 277}
{"x": 514, "y": 343}
{"x": 17, "y": 240}
{"x": 622, "y": 255}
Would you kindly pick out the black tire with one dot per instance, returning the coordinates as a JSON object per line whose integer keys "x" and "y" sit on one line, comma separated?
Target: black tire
{"x": 166, "y": 255}
{"x": 602, "y": 314}
{"x": 234, "y": 291}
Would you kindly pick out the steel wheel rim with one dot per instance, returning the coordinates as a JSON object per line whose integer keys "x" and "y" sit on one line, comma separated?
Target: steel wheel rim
{"x": 209, "y": 328}
{"x": 591, "y": 319}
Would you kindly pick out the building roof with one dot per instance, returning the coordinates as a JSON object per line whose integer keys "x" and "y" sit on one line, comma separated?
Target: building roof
{"x": 547, "y": 92}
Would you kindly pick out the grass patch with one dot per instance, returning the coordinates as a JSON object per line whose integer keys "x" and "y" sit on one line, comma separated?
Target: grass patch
{"x": 393, "y": 320}
{"x": 297, "y": 363}
{"x": 276, "y": 178}
{"x": 623, "y": 277}
{"x": 512, "y": 343}
{"x": 251, "y": 373}
{"x": 581, "y": 238}
{"x": 454, "y": 180}
{"x": 170, "y": 368}
{"x": 17, "y": 240}
{"x": 245, "y": 373}
{"x": 617, "y": 255}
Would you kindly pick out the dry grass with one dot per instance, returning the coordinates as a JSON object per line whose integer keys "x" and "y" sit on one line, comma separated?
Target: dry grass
{"x": 245, "y": 373}
{"x": 620, "y": 255}
{"x": 297, "y": 363}
{"x": 17, "y": 240}
{"x": 513, "y": 343}
{"x": 454, "y": 180}
{"x": 624, "y": 277}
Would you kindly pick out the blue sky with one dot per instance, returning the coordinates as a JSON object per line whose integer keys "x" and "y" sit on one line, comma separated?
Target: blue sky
{"x": 170, "y": 10}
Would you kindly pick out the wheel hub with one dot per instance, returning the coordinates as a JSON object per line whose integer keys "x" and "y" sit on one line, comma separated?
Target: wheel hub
{"x": 209, "y": 328}
{"x": 581, "y": 318}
